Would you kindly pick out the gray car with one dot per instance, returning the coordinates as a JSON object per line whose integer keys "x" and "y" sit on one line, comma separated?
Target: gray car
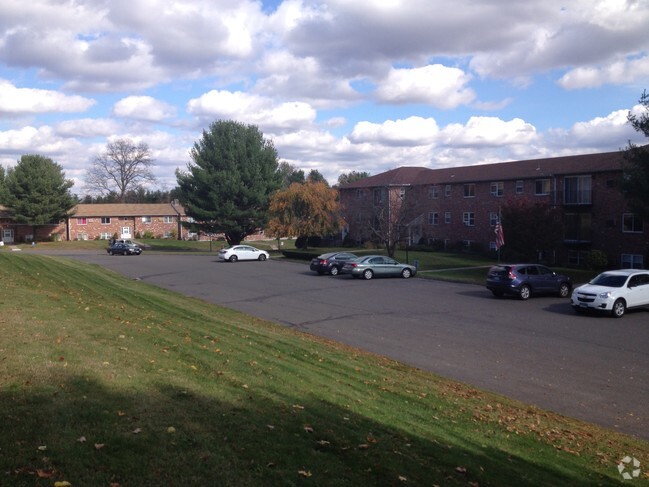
{"x": 378, "y": 266}
{"x": 523, "y": 280}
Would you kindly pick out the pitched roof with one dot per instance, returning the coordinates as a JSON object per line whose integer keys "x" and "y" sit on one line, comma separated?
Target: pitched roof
{"x": 128, "y": 209}
{"x": 533, "y": 168}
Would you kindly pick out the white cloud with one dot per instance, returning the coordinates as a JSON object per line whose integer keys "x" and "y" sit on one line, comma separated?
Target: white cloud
{"x": 143, "y": 108}
{"x": 620, "y": 72}
{"x": 435, "y": 85}
{"x": 252, "y": 109}
{"x": 87, "y": 127}
{"x": 409, "y": 132}
{"x": 488, "y": 131}
{"x": 20, "y": 101}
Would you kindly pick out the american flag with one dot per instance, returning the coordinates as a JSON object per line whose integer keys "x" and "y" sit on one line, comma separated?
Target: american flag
{"x": 500, "y": 236}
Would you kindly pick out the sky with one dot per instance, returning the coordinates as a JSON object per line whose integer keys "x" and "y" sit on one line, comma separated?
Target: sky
{"x": 336, "y": 85}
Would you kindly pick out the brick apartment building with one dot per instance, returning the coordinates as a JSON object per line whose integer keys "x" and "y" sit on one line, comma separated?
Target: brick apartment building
{"x": 102, "y": 221}
{"x": 462, "y": 205}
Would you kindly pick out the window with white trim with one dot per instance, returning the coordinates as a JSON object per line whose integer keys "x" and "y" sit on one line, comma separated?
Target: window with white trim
{"x": 82, "y": 221}
{"x": 542, "y": 187}
{"x": 167, "y": 219}
{"x": 146, "y": 219}
{"x": 433, "y": 218}
{"x": 520, "y": 185}
{"x": 433, "y": 191}
{"x": 105, "y": 220}
{"x": 447, "y": 217}
{"x": 497, "y": 188}
{"x": 447, "y": 190}
{"x": 468, "y": 218}
{"x": 493, "y": 219}
{"x": 469, "y": 190}
{"x": 632, "y": 261}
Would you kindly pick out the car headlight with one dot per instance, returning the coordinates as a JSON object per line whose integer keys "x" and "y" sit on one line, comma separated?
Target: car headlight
{"x": 605, "y": 295}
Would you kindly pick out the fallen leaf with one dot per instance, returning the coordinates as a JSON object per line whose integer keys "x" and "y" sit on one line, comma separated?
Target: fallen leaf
{"x": 63, "y": 483}
{"x": 137, "y": 431}
{"x": 460, "y": 469}
{"x": 308, "y": 428}
{"x": 42, "y": 448}
{"x": 99, "y": 446}
{"x": 45, "y": 474}
{"x": 304, "y": 473}
{"x": 402, "y": 478}
{"x": 82, "y": 439}
{"x": 171, "y": 429}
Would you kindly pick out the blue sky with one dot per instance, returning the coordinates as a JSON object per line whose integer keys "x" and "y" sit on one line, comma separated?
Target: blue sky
{"x": 338, "y": 85}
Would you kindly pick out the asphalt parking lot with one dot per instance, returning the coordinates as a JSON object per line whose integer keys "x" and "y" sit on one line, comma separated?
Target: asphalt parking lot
{"x": 539, "y": 351}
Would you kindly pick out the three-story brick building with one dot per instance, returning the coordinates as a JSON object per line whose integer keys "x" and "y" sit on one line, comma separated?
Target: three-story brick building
{"x": 463, "y": 204}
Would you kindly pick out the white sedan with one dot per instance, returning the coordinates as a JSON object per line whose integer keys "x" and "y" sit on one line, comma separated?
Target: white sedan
{"x": 613, "y": 292}
{"x": 242, "y": 252}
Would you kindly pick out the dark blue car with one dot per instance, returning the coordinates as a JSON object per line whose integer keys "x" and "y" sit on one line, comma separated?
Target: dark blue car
{"x": 523, "y": 280}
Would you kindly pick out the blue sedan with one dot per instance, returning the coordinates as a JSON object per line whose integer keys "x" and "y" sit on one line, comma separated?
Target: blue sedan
{"x": 378, "y": 265}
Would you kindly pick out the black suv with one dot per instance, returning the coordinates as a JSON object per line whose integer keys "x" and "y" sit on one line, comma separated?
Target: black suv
{"x": 331, "y": 263}
{"x": 524, "y": 279}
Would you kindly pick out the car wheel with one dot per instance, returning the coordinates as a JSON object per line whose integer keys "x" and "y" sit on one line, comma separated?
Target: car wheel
{"x": 564, "y": 290}
{"x": 110, "y": 252}
{"x": 525, "y": 292}
{"x": 619, "y": 307}
{"x": 334, "y": 271}
{"x": 233, "y": 258}
{"x": 368, "y": 274}
{"x": 498, "y": 294}
{"x": 262, "y": 257}
{"x": 406, "y": 273}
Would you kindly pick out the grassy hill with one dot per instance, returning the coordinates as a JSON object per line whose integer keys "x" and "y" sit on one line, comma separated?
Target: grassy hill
{"x": 110, "y": 381}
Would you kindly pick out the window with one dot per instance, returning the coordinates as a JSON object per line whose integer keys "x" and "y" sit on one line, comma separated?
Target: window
{"x": 577, "y": 190}
{"x": 359, "y": 194}
{"x": 632, "y": 223}
{"x": 542, "y": 187}
{"x": 497, "y": 189}
{"x": 447, "y": 190}
{"x": 447, "y": 217}
{"x": 469, "y": 190}
{"x": 146, "y": 219}
{"x": 468, "y": 218}
{"x": 578, "y": 227}
{"x": 493, "y": 219}
{"x": 492, "y": 246}
{"x": 432, "y": 191}
{"x": 105, "y": 236}
{"x": 379, "y": 196}
{"x": 82, "y": 221}
{"x": 519, "y": 186}
{"x": 433, "y": 218}
{"x": 466, "y": 244}
{"x": 402, "y": 193}
{"x": 632, "y": 261}
{"x": 168, "y": 219}
{"x": 105, "y": 220}
{"x": 82, "y": 236}
{"x": 167, "y": 234}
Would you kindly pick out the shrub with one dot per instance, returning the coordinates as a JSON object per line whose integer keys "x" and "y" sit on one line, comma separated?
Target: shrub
{"x": 596, "y": 259}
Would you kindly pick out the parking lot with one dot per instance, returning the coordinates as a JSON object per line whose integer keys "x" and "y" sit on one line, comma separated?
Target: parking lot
{"x": 593, "y": 368}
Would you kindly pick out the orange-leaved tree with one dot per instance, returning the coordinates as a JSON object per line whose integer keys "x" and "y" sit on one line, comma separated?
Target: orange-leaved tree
{"x": 304, "y": 210}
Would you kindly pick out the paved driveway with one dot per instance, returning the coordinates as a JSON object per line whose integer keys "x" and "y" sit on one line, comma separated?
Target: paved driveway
{"x": 538, "y": 351}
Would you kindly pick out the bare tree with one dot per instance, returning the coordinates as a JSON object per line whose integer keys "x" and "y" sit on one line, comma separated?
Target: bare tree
{"x": 124, "y": 166}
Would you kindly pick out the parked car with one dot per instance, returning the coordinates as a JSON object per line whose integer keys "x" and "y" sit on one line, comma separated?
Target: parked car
{"x": 613, "y": 291}
{"x": 242, "y": 252}
{"x": 377, "y": 265}
{"x": 331, "y": 263}
{"x": 124, "y": 248}
{"x": 523, "y": 280}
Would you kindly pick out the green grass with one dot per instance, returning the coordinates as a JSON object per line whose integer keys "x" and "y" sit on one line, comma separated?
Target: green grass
{"x": 105, "y": 380}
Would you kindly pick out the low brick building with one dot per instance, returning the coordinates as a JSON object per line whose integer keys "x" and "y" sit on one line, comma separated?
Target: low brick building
{"x": 102, "y": 221}
{"x": 462, "y": 205}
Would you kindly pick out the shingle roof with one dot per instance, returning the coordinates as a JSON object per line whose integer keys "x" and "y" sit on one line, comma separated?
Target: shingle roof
{"x": 534, "y": 168}
{"x": 128, "y": 209}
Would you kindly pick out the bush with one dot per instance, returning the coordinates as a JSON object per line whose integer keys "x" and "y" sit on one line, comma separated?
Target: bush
{"x": 596, "y": 260}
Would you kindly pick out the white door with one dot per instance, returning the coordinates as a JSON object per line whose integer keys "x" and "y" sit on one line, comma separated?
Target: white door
{"x": 8, "y": 235}
{"x": 126, "y": 232}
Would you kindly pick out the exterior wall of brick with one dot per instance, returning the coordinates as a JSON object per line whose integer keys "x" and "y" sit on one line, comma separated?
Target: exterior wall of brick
{"x": 463, "y": 213}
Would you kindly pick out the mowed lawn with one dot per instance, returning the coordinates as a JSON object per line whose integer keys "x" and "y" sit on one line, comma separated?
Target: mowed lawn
{"x": 106, "y": 381}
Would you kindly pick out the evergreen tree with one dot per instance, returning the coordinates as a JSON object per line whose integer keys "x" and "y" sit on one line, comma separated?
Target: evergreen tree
{"x": 227, "y": 187}
{"x": 37, "y": 192}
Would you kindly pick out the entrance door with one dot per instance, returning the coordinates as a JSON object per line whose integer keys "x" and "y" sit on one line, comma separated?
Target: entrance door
{"x": 8, "y": 235}
{"x": 126, "y": 232}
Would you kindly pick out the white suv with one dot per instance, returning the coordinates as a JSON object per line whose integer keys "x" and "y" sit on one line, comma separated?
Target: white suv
{"x": 613, "y": 291}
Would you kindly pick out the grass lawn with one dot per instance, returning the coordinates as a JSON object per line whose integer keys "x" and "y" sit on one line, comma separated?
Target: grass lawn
{"x": 106, "y": 381}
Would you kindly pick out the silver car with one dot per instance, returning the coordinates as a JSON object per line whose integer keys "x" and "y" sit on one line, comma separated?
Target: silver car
{"x": 613, "y": 292}
{"x": 378, "y": 265}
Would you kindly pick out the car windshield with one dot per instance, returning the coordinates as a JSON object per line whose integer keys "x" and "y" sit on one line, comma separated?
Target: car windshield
{"x": 609, "y": 280}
